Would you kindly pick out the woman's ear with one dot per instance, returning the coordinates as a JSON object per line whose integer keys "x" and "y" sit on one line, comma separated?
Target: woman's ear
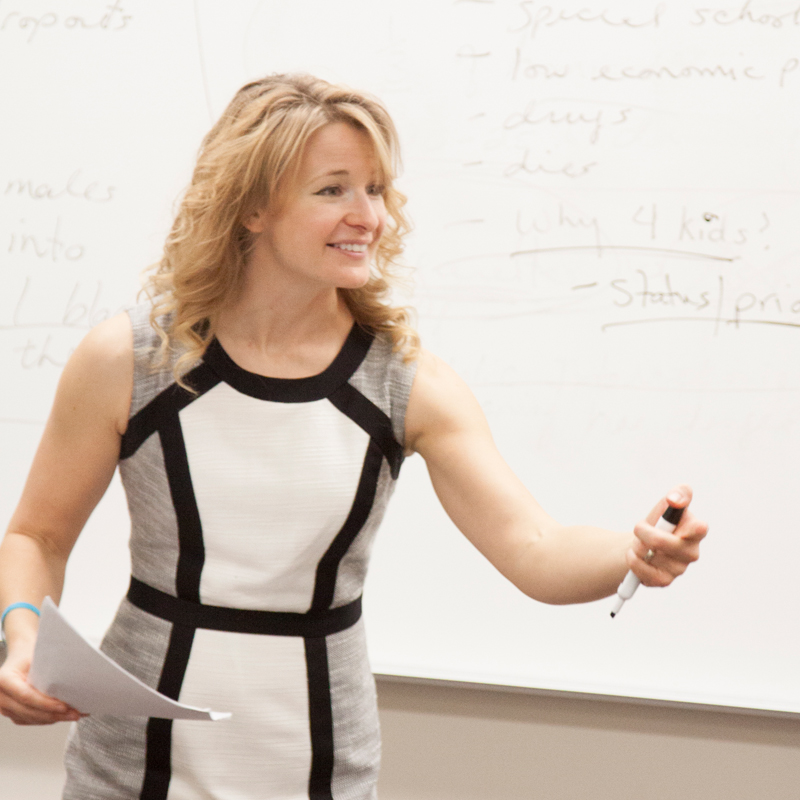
{"x": 257, "y": 221}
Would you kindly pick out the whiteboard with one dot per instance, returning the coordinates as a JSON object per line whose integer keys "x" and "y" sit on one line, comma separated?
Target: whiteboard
{"x": 605, "y": 200}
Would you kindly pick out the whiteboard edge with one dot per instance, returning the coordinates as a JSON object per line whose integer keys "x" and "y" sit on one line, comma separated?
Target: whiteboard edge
{"x": 576, "y": 695}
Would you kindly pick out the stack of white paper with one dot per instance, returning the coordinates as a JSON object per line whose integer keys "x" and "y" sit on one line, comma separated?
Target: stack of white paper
{"x": 66, "y": 666}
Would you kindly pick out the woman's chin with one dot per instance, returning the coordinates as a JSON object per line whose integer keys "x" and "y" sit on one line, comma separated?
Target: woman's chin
{"x": 354, "y": 279}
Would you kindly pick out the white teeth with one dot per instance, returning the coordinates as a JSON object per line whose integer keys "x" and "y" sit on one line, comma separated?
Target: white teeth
{"x": 353, "y": 248}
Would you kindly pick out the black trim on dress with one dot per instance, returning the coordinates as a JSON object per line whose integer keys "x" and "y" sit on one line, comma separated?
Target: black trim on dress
{"x": 373, "y": 420}
{"x": 158, "y": 746}
{"x": 161, "y": 415}
{"x": 191, "y": 549}
{"x": 320, "y": 717}
{"x": 242, "y": 620}
{"x": 328, "y": 566}
{"x": 164, "y": 405}
{"x": 292, "y": 390}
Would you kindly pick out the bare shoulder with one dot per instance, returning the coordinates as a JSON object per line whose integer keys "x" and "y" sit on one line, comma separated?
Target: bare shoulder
{"x": 98, "y": 378}
{"x": 108, "y": 343}
{"x": 80, "y": 445}
{"x": 440, "y": 403}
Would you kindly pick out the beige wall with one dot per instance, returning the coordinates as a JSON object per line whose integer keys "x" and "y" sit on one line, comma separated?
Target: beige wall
{"x": 470, "y": 744}
{"x": 465, "y": 744}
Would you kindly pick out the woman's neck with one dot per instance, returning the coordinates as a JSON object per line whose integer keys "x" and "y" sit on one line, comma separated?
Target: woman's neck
{"x": 281, "y": 336}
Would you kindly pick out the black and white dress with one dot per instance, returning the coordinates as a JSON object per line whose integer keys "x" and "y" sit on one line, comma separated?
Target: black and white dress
{"x": 253, "y": 504}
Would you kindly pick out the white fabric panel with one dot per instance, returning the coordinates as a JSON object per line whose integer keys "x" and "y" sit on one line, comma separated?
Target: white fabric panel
{"x": 274, "y": 483}
{"x": 263, "y": 681}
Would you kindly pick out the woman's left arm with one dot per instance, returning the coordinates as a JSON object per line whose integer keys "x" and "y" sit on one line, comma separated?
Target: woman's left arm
{"x": 549, "y": 562}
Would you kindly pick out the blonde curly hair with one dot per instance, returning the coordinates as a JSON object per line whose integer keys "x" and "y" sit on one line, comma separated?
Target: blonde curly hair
{"x": 245, "y": 161}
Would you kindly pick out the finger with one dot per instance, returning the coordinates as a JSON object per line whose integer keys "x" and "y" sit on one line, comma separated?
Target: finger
{"x": 18, "y": 696}
{"x": 665, "y": 565}
{"x": 25, "y": 717}
{"x": 691, "y": 529}
{"x": 665, "y": 545}
{"x": 22, "y": 714}
{"x": 678, "y": 497}
{"x": 652, "y": 573}
{"x": 17, "y": 689}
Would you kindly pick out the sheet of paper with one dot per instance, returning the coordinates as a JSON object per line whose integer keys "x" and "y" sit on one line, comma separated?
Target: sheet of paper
{"x": 66, "y": 666}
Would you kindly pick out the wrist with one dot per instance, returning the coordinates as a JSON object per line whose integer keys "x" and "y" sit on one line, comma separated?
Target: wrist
{"x": 19, "y": 621}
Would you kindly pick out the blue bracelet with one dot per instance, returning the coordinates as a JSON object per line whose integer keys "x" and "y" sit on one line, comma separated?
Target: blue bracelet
{"x": 11, "y": 608}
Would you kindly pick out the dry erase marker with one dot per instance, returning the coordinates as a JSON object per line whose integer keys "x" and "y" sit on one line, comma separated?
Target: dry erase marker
{"x": 667, "y": 522}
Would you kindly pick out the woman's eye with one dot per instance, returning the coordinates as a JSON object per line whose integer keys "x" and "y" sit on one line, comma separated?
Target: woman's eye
{"x": 377, "y": 189}
{"x": 330, "y": 191}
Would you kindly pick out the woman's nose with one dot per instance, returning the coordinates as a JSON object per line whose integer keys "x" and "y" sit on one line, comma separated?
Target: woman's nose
{"x": 363, "y": 212}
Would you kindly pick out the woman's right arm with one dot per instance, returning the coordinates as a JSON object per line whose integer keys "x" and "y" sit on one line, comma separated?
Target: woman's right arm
{"x": 72, "y": 468}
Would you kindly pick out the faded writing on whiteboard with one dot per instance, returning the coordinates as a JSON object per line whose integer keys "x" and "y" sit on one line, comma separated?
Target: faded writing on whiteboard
{"x": 722, "y": 304}
{"x": 35, "y": 354}
{"x": 42, "y": 246}
{"x": 529, "y": 165}
{"x": 559, "y": 112}
{"x": 535, "y": 16}
{"x": 599, "y": 249}
{"x": 536, "y": 70}
{"x": 727, "y": 16}
{"x": 81, "y": 309}
{"x": 76, "y": 187}
{"x": 728, "y": 72}
{"x": 564, "y": 219}
{"x": 669, "y": 223}
{"x": 114, "y": 19}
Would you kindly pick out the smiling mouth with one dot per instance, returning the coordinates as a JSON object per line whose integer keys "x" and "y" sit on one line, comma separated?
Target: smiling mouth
{"x": 350, "y": 248}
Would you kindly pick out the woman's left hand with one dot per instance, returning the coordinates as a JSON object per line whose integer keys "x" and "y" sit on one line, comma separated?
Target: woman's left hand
{"x": 658, "y": 557}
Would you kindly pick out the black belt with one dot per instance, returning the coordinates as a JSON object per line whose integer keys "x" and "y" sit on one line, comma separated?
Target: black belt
{"x": 241, "y": 620}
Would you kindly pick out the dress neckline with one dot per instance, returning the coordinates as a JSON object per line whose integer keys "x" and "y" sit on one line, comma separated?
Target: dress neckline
{"x": 292, "y": 390}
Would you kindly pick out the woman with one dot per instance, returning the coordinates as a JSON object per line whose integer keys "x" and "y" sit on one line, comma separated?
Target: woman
{"x": 259, "y": 412}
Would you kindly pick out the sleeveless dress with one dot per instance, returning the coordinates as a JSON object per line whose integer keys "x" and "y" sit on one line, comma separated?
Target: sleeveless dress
{"x": 253, "y": 506}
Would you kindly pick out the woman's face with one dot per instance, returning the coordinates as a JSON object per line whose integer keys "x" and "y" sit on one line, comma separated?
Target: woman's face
{"x": 326, "y": 229}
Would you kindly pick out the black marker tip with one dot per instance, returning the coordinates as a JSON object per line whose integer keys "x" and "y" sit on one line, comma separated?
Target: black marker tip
{"x": 613, "y": 615}
{"x": 673, "y": 515}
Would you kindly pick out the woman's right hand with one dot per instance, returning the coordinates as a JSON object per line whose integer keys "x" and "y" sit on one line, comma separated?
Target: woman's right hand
{"x": 23, "y": 704}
